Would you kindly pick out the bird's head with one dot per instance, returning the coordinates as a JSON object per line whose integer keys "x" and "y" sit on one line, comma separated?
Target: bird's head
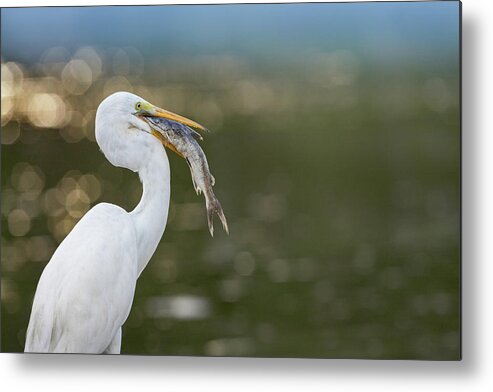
{"x": 123, "y": 135}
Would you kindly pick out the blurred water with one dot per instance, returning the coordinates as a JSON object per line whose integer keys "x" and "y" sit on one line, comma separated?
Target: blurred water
{"x": 340, "y": 181}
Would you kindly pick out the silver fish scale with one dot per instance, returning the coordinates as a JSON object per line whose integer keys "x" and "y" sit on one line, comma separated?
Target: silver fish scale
{"x": 177, "y": 128}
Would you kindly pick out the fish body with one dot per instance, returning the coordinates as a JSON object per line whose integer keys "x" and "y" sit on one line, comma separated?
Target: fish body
{"x": 182, "y": 139}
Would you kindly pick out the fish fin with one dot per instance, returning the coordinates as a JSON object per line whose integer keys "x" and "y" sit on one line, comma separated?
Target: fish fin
{"x": 214, "y": 206}
{"x": 197, "y": 189}
{"x": 213, "y": 180}
{"x": 196, "y": 134}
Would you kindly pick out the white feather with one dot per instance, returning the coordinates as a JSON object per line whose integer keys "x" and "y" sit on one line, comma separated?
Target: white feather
{"x": 85, "y": 293}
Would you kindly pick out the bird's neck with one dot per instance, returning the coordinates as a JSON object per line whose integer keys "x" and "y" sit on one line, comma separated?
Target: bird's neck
{"x": 151, "y": 213}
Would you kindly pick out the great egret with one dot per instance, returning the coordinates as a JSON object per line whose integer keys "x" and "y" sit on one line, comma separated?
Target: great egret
{"x": 86, "y": 291}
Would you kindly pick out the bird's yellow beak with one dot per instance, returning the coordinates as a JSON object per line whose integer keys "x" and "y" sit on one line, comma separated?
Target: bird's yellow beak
{"x": 158, "y": 112}
{"x": 146, "y": 109}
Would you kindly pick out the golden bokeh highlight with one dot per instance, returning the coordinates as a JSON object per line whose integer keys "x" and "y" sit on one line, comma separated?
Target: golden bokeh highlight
{"x": 56, "y": 100}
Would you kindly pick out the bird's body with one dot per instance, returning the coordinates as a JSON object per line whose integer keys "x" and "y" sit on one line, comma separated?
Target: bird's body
{"x": 86, "y": 291}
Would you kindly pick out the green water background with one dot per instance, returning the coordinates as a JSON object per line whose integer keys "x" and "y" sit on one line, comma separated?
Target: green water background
{"x": 336, "y": 162}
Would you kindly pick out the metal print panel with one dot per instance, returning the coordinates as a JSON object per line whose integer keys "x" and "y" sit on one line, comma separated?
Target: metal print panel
{"x": 265, "y": 180}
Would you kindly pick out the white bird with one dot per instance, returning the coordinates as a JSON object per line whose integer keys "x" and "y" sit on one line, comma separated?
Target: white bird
{"x": 86, "y": 291}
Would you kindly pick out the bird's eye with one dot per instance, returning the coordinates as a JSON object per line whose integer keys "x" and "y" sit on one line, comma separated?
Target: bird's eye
{"x": 138, "y": 105}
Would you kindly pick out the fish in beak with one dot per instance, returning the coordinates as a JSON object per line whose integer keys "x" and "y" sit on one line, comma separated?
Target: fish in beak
{"x": 177, "y": 133}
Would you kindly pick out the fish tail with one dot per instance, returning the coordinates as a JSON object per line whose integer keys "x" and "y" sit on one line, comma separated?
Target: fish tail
{"x": 214, "y": 206}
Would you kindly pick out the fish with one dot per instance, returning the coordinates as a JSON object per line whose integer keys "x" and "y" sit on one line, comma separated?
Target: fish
{"x": 182, "y": 139}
